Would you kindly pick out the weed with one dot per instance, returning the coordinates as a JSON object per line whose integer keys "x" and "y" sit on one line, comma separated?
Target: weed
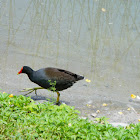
{"x": 21, "y": 118}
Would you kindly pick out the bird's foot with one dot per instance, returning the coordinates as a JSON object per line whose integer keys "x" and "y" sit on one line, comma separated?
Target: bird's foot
{"x": 27, "y": 89}
{"x": 58, "y": 103}
{"x": 30, "y": 90}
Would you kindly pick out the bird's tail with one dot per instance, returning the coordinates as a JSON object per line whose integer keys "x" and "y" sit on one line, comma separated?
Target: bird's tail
{"x": 80, "y": 77}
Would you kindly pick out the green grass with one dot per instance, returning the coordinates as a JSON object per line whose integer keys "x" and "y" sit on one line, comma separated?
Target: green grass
{"x": 21, "y": 118}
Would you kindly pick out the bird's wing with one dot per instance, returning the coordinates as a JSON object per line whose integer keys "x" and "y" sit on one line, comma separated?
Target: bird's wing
{"x": 60, "y": 75}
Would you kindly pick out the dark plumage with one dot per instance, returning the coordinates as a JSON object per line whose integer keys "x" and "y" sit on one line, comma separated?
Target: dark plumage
{"x": 64, "y": 79}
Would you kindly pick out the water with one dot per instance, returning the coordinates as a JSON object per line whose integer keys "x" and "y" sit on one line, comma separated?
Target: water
{"x": 79, "y": 36}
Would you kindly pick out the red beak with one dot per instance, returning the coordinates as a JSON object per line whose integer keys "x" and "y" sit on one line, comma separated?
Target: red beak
{"x": 20, "y": 71}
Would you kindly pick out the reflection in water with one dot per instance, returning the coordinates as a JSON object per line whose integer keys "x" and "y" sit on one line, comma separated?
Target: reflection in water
{"x": 75, "y": 35}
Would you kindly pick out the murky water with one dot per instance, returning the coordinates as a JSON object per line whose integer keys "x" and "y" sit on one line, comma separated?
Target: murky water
{"x": 98, "y": 39}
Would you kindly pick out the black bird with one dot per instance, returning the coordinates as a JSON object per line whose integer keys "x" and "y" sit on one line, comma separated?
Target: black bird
{"x": 53, "y": 79}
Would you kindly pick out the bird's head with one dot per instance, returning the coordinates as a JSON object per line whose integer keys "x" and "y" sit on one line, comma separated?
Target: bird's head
{"x": 25, "y": 69}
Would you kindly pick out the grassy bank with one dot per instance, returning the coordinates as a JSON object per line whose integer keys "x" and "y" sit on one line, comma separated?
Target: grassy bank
{"x": 21, "y": 118}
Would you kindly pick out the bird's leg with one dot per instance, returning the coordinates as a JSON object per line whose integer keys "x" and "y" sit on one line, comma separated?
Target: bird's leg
{"x": 35, "y": 92}
{"x": 31, "y": 90}
{"x": 58, "y": 95}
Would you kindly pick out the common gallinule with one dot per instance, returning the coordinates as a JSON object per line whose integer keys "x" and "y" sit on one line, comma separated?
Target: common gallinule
{"x": 53, "y": 79}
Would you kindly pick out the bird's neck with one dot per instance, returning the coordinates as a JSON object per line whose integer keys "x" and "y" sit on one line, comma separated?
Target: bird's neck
{"x": 30, "y": 73}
